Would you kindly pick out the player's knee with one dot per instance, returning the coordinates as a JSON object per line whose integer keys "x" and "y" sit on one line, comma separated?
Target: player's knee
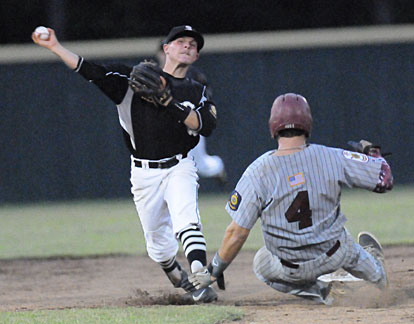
{"x": 158, "y": 254}
{"x": 260, "y": 259}
{"x": 264, "y": 265}
{"x": 160, "y": 247}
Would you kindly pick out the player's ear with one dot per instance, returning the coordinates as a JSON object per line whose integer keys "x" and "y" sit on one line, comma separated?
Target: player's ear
{"x": 165, "y": 48}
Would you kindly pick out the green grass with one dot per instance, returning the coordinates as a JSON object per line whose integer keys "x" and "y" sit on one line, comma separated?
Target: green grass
{"x": 131, "y": 315}
{"x": 93, "y": 227}
{"x": 388, "y": 216}
{"x": 77, "y": 228}
{"x": 112, "y": 226}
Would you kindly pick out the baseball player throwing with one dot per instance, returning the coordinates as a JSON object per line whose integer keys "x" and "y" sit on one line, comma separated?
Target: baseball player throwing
{"x": 208, "y": 166}
{"x": 295, "y": 191}
{"x": 162, "y": 115}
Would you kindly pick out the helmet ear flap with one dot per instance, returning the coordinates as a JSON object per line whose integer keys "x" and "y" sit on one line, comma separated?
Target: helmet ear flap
{"x": 290, "y": 111}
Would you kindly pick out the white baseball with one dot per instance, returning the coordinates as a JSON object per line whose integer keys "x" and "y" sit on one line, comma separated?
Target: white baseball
{"x": 42, "y": 33}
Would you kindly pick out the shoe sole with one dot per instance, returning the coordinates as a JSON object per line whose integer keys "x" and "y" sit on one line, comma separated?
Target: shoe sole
{"x": 366, "y": 238}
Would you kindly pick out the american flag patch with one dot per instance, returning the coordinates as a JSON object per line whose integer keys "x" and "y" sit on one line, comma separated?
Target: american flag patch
{"x": 296, "y": 179}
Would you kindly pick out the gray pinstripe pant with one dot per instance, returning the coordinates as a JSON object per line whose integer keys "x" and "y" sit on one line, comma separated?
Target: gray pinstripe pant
{"x": 303, "y": 280}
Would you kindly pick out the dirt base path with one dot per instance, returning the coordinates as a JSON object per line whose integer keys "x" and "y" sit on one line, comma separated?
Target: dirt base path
{"x": 120, "y": 281}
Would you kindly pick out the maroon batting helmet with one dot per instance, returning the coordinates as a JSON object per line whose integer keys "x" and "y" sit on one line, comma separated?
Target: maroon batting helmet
{"x": 290, "y": 110}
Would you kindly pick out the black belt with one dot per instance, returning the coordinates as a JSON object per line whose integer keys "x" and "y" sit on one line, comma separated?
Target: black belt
{"x": 160, "y": 164}
{"x": 289, "y": 264}
{"x": 331, "y": 252}
{"x": 333, "y": 249}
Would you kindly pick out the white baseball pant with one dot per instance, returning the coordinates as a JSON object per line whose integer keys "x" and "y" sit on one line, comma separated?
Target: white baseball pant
{"x": 166, "y": 202}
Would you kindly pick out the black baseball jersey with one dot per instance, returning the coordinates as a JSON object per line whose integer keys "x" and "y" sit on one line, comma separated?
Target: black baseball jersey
{"x": 153, "y": 132}
{"x": 196, "y": 74}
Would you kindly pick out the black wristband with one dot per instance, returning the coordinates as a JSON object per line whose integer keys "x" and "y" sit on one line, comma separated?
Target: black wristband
{"x": 179, "y": 110}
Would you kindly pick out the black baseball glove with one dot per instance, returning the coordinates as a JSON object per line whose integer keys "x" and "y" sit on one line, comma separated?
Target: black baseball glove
{"x": 147, "y": 81}
{"x": 367, "y": 148}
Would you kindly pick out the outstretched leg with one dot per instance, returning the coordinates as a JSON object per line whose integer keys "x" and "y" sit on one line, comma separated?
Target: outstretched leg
{"x": 269, "y": 269}
{"x": 367, "y": 261}
{"x": 181, "y": 197}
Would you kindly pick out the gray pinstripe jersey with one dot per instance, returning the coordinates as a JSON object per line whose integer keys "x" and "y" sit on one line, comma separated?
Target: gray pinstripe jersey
{"x": 297, "y": 198}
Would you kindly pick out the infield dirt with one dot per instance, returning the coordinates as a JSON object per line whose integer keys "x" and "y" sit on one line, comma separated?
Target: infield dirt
{"x": 124, "y": 280}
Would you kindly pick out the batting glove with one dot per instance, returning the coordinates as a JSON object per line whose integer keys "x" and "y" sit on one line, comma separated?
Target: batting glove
{"x": 201, "y": 279}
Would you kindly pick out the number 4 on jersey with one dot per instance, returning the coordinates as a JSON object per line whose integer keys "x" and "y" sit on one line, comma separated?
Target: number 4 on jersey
{"x": 299, "y": 210}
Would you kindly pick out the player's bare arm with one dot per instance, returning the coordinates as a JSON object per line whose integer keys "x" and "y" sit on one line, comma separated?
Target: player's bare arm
{"x": 52, "y": 44}
{"x": 233, "y": 241}
{"x": 192, "y": 121}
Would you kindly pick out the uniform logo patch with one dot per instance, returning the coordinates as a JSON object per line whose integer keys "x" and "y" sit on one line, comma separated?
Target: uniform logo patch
{"x": 296, "y": 179}
{"x": 355, "y": 156}
{"x": 235, "y": 200}
{"x": 213, "y": 111}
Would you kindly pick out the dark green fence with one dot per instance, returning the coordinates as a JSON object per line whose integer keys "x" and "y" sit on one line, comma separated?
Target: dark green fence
{"x": 61, "y": 139}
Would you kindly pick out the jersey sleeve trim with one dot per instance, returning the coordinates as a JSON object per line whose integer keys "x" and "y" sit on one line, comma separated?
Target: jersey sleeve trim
{"x": 78, "y": 66}
{"x": 117, "y": 74}
{"x": 200, "y": 122}
{"x": 111, "y": 79}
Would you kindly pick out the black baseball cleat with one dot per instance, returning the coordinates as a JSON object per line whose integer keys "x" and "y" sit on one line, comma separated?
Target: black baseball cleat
{"x": 203, "y": 295}
{"x": 325, "y": 291}
{"x": 318, "y": 292}
{"x": 184, "y": 283}
{"x": 373, "y": 247}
